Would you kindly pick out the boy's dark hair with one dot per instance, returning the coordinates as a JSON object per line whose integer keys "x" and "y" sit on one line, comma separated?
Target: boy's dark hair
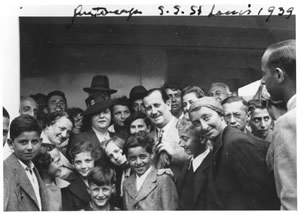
{"x": 58, "y": 93}
{"x": 134, "y": 116}
{"x": 73, "y": 112}
{"x": 123, "y": 101}
{"x": 84, "y": 146}
{"x": 23, "y": 123}
{"x": 101, "y": 176}
{"x": 43, "y": 159}
{"x": 54, "y": 116}
{"x": 5, "y": 113}
{"x": 164, "y": 95}
{"x": 141, "y": 139}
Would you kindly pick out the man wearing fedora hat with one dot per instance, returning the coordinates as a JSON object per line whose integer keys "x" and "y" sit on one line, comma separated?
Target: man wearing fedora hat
{"x": 238, "y": 178}
{"x": 99, "y": 86}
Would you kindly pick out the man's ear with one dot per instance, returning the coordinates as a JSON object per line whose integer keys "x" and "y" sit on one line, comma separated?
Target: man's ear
{"x": 169, "y": 104}
{"x": 279, "y": 74}
{"x": 113, "y": 186}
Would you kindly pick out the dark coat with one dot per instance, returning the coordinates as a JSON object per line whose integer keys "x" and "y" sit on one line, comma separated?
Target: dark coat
{"x": 75, "y": 196}
{"x": 18, "y": 191}
{"x": 199, "y": 185}
{"x": 239, "y": 178}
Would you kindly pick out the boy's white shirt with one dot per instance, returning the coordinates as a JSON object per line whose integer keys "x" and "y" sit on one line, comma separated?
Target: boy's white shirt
{"x": 33, "y": 180}
{"x": 196, "y": 162}
{"x": 140, "y": 179}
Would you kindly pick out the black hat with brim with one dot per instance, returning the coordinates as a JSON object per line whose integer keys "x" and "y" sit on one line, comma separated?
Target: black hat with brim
{"x": 98, "y": 106}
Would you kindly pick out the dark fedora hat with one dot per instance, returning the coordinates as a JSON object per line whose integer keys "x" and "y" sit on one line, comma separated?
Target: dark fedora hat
{"x": 97, "y": 104}
{"x": 137, "y": 92}
{"x": 100, "y": 83}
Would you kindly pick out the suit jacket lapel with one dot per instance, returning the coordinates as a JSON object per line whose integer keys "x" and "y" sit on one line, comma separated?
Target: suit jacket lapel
{"x": 78, "y": 188}
{"x": 149, "y": 184}
{"x": 23, "y": 179}
{"x": 182, "y": 178}
{"x": 200, "y": 176}
{"x": 131, "y": 186}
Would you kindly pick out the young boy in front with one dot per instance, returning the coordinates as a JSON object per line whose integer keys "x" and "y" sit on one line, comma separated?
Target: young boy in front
{"x": 102, "y": 185}
{"x": 24, "y": 189}
{"x": 145, "y": 189}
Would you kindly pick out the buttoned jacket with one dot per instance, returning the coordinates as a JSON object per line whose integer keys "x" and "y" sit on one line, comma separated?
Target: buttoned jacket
{"x": 158, "y": 192}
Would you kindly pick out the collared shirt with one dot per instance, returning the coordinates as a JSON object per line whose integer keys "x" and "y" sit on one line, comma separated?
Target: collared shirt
{"x": 140, "y": 179}
{"x": 196, "y": 162}
{"x": 33, "y": 180}
{"x": 100, "y": 136}
{"x": 291, "y": 103}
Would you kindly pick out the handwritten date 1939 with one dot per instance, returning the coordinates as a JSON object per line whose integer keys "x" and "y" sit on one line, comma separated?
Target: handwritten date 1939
{"x": 197, "y": 10}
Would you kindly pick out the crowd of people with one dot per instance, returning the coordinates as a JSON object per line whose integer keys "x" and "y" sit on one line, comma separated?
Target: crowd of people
{"x": 168, "y": 148}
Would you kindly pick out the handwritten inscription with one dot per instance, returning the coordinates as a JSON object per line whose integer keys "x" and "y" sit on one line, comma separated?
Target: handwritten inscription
{"x": 197, "y": 10}
{"x": 103, "y": 11}
{"x": 194, "y": 10}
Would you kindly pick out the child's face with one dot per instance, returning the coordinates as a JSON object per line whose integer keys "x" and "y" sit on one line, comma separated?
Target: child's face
{"x": 26, "y": 146}
{"x": 100, "y": 195}
{"x": 189, "y": 141}
{"x": 54, "y": 169}
{"x": 139, "y": 159}
{"x": 83, "y": 163}
{"x": 115, "y": 154}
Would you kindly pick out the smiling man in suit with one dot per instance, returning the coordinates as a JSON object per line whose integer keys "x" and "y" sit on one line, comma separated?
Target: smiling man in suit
{"x": 24, "y": 189}
{"x": 279, "y": 75}
{"x": 168, "y": 153}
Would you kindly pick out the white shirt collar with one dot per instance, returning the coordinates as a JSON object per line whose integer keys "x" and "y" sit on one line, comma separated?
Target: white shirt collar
{"x": 140, "y": 179}
{"x": 199, "y": 159}
{"x": 291, "y": 103}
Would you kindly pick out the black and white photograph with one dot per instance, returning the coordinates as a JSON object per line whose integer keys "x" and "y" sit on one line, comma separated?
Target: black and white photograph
{"x": 149, "y": 106}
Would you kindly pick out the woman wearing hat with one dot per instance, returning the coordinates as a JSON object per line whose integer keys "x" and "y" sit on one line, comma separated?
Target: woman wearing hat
{"x": 96, "y": 120}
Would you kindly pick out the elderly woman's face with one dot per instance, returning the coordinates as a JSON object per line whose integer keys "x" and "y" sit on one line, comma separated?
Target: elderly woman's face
{"x": 101, "y": 121}
{"x": 59, "y": 131}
